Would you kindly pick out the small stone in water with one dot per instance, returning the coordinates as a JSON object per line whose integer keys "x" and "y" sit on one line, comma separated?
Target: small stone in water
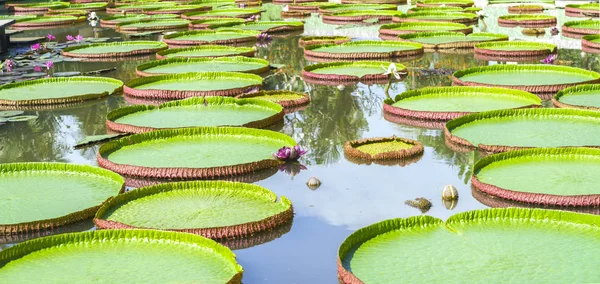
{"x": 313, "y": 183}
{"x": 449, "y": 193}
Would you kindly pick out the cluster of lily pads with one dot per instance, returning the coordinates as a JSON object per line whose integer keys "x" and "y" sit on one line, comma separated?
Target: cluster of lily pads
{"x": 202, "y": 105}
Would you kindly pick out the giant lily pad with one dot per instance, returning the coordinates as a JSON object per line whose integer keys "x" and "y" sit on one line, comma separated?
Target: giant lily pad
{"x": 50, "y": 91}
{"x": 68, "y": 12}
{"x": 436, "y": 9}
{"x": 538, "y": 79}
{"x": 206, "y": 51}
{"x": 463, "y": 18}
{"x": 527, "y": 21}
{"x": 525, "y": 9}
{"x": 591, "y": 43}
{"x": 214, "y": 23}
{"x": 513, "y": 50}
{"x": 214, "y": 209}
{"x": 360, "y": 16}
{"x": 287, "y": 99}
{"x": 383, "y": 2}
{"x": 179, "y": 9}
{"x": 330, "y": 8}
{"x": 386, "y": 148}
{"x": 583, "y": 10}
{"x": 503, "y": 130}
{"x": 112, "y": 21}
{"x": 83, "y": 256}
{"x": 520, "y": 1}
{"x": 222, "y": 36}
{"x": 445, "y": 103}
{"x": 311, "y": 40}
{"x": 272, "y": 26}
{"x": 38, "y": 6}
{"x": 193, "y": 112}
{"x": 114, "y": 49}
{"x": 185, "y": 65}
{"x": 582, "y": 96}
{"x": 546, "y": 176}
{"x": 445, "y": 3}
{"x": 179, "y": 86}
{"x": 307, "y": 7}
{"x": 38, "y": 196}
{"x": 577, "y": 29}
{"x": 139, "y": 7}
{"x": 391, "y": 31}
{"x": 152, "y": 25}
{"x": 222, "y": 13}
{"x": 371, "y": 254}
{"x": 365, "y": 49}
{"x": 47, "y": 21}
{"x": 450, "y": 40}
{"x": 336, "y": 72}
{"x": 202, "y": 152}
{"x": 95, "y": 6}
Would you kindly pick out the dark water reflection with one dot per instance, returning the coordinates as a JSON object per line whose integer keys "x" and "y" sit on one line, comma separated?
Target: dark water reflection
{"x": 351, "y": 195}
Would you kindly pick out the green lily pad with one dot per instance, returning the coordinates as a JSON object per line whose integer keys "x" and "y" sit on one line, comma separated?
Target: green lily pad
{"x": 364, "y": 49}
{"x": 9, "y": 113}
{"x": 95, "y": 139}
{"x": 516, "y": 46}
{"x": 502, "y": 130}
{"x": 361, "y": 15}
{"x": 45, "y": 195}
{"x": 538, "y": 79}
{"x": 179, "y": 9}
{"x": 585, "y": 27}
{"x": 286, "y": 99}
{"x": 450, "y": 9}
{"x": 445, "y": 3}
{"x": 207, "y": 51}
{"x": 329, "y": 8}
{"x": 383, "y": 148}
{"x": 586, "y": 6}
{"x": 582, "y": 96}
{"x": 209, "y": 152}
{"x": 194, "y": 112}
{"x": 464, "y": 18}
{"x": 548, "y": 176}
{"x": 185, "y": 65}
{"x": 310, "y": 40}
{"x": 68, "y": 12}
{"x": 140, "y": 7}
{"x": 445, "y": 103}
{"x": 84, "y": 256}
{"x": 393, "y": 30}
{"x": 370, "y": 255}
{"x": 20, "y": 118}
{"x": 95, "y": 6}
{"x": 214, "y": 209}
{"x": 519, "y": 1}
{"x": 39, "y": 6}
{"x": 115, "y": 19}
{"x": 52, "y": 90}
{"x": 221, "y": 36}
{"x": 350, "y": 71}
{"x": 527, "y": 20}
{"x": 114, "y": 49}
{"x": 46, "y": 21}
{"x": 272, "y": 26}
{"x": 583, "y": 10}
{"x": 451, "y": 39}
{"x": 177, "y": 86}
{"x": 214, "y": 23}
{"x": 222, "y": 13}
{"x": 152, "y": 24}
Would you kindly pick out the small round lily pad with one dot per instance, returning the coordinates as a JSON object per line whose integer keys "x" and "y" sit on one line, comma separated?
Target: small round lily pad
{"x": 311, "y": 40}
{"x": 513, "y": 50}
{"x": 582, "y": 97}
{"x": 386, "y": 148}
{"x": 289, "y": 100}
{"x": 330, "y": 8}
{"x": 527, "y": 21}
{"x": 272, "y": 26}
{"x": 215, "y": 23}
{"x": 360, "y": 16}
{"x": 222, "y": 13}
{"x": 525, "y": 9}
{"x": 213, "y": 209}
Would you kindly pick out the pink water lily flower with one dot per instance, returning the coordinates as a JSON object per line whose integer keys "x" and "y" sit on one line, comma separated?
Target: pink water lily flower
{"x": 9, "y": 65}
{"x": 79, "y": 38}
{"x": 49, "y": 65}
{"x": 550, "y": 59}
{"x": 37, "y": 69}
{"x": 36, "y": 47}
{"x": 70, "y": 38}
{"x": 289, "y": 153}
{"x": 50, "y": 37}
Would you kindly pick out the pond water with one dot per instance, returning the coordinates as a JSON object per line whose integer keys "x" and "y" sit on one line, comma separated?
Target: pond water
{"x": 351, "y": 196}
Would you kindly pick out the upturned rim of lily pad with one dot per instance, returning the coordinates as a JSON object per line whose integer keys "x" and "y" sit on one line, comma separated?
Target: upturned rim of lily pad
{"x": 361, "y": 15}
{"x": 213, "y": 23}
{"x": 190, "y": 240}
{"x": 570, "y": 28}
{"x": 584, "y": 200}
{"x": 255, "y": 81}
{"x": 465, "y": 145}
{"x": 326, "y": 9}
{"x": 37, "y": 6}
{"x": 241, "y": 51}
{"x": 416, "y": 50}
{"x": 295, "y": 14}
{"x": 487, "y": 51}
{"x": 525, "y": 8}
{"x": 179, "y": 9}
{"x": 397, "y": 2}
{"x": 556, "y": 100}
{"x": 140, "y": 7}
{"x": 141, "y": 70}
{"x": 390, "y": 109}
{"x": 288, "y": 105}
{"x": 451, "y": 3}
{"x": 460, "y": 17}
{"x": 527, "y": 20}
{"x": 312, "y": 40}
{"x": 591, "y": 43}
{"x": 391, "y": 31}
{"x": 245, "y": 36}
{"x": 58, "y": 101}
{"x": 188, "y": 173}
{"x": 480, "y": 216}
{"x": 241, "y": 13}
{"x": 412, "y": 37}
{"x": 111, "y": 21}
{"x": 113, "y": 116}
{"x": 543, "y": 90}
{"x": 328, "y": 79}
{"x": 583, "y": 10}
{"x": 217, "y": 187}
{"x": 158, "y": 24}
{"x": 71, "y": 50}
{"x": 350, "y": 149}
{"x": 65, "y": 20}
{"x": 89, "y": 7}
{"x": 282, "y": 26}
{"x": 48, "y": 224}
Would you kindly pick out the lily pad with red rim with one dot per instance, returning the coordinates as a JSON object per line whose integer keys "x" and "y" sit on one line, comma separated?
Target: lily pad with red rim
{"x": 222, "y": 13}
{"x": 40, "y": 196}
{"x": 582, "y": 97}
{"x": 221, "y": 36}
{"x": 577, "y": 29}
{"x": 289, "y": 100}
{"x": 272, "y": 26}
{"x": 513, "y": 50}
{"x": 360, "y": 16}
{"x": 178, "y": 65}
{"x": 214, "y": 23}
{"x": 83, "y": 256}
{"x": 445, "y": 3}
{"x": 310, "y": 40}
{"x": 114, "y": 49}
{"x": 505, "y": 130}
{"x": 194, "y": 112}
{"x": 152, "y": 25}
{"x": 213, "y": 209}
{"x": 336, "y": 72}
{"x": 583, "y": 10}
{"x": 206, "y": 51}
{"x": 452, "y": 17}
{"x": 383, "y": 148}
{"x": 525, "y": 9}
{"x": 47, "y": 21}
{"x": 591, "y": 43}
{"x": 450, "y": 40}
{"x": 391, "y": 31}
{"x": 370, "y": 255}
{"x": 331, "y": 8}
{"x": 209, "y": 152}
{"x": 364, "y": 49}
{"x": 527, "y": 21}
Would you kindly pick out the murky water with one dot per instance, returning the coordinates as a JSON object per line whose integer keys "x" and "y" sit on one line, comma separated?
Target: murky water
{"x": 351, "y": 195}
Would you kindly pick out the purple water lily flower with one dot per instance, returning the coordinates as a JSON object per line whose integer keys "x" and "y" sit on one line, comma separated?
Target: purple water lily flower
{"x": 288, "y": 154}
{"x": 37, "y": 69}
{"x": 36, "y": 47}
{"x": 70, "y": 38}
{"x": 49, "y": 65}
{"x": 50, "y": 37}
{"x": 264, "y": 37}
{"x": 550, "y": 59}
{"x": 79, "y": 38}
{"x": 9, "y": 65}
{"x": 242, "y": 5}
